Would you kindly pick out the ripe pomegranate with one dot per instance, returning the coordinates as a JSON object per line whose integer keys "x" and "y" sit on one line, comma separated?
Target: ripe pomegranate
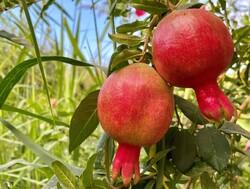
{"x": 139, "y": 13}
{"x": 135, "y": 108}
{"x": 191, "y": 48}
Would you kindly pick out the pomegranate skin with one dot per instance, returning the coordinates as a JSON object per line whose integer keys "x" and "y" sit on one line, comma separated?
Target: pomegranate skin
{"x": 135, "y": 105}
{"x": 191, "y": 48}
{"x": 135, "y": 108}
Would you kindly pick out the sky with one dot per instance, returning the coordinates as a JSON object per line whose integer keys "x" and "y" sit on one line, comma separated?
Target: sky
{"x": 87, "y": 43}
{"x": 88, "y": 28}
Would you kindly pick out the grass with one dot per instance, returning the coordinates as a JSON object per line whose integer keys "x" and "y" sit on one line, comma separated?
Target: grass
{"x": 67, "y": 85}
{"x": 68, "y": 32}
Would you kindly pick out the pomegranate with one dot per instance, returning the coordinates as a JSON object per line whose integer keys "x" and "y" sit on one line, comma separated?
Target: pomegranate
{"x": 135, "y": 108}
{"x": 139, "y": 13}
{"x": 191, "y": 48}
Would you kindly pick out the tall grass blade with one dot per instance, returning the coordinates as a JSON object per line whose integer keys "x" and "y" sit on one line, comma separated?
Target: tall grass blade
{"x": 43, "y": 154}
{"x": 13, "y": 77}
{"x": 37, "y": 50}
{"x": 14, "y": 38}
{"x": 21, "y": 111}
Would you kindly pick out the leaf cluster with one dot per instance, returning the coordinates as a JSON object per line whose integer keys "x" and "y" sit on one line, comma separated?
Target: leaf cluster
{"x": 193, "y": 151}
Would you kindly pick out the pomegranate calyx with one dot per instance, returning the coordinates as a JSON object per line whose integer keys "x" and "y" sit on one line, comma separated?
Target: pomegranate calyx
{"x": 127, "y": 162}
{"x": 213, "y": 103}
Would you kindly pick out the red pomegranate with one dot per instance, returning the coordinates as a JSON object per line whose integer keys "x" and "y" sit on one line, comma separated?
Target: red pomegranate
{"x": 139, "y": 13}
{"x": 135, "y": 108}
{"x": 191, "y": 48}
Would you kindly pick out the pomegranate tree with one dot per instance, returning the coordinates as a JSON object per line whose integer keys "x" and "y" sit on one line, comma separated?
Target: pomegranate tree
{"x": 135, "y": 108}
{"x": 191, "y": 48}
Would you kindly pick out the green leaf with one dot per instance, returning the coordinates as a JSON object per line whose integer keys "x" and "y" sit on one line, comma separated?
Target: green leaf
{"x": 24, "y": 112}
{"x": 214, "y": 148}
{"x": 192, "y": 5}
{"x": 240, "y": 34}
{"x": 152, "y": 7}
{"x": 43, "y": 154}
{"x": 84, "y": 120}
{"x": 100, "y": 184}
{"x": 87, "y": 175}
{"x": 19, "y": 161}
{"x": 171, "y": 185}
{"x": 73, "y": 41}
{"x": 120, "y": 65}
{"x": 132, "y": 27}
{"x": 14, "y": 76}
{"x": 126, "y": 54}
{"x": 157, "y": 158}
{"x": 198, "y": 168}
{"x": 15, "y": 39}
{"x": 207, "y": 182}
{"x": 126, "y": 39}
{"x": 184, "y": 152}
{"x": 190, "y": 110}
{"x": 58, "y": 186}
{"x": 223, "y": 4}
{"x": 232, "y": 128}
{"x": 150, "y": 184}
{"x": 46, "y": 6}
{"x": 66, "y": 177}
{"x": 170, "y": 135}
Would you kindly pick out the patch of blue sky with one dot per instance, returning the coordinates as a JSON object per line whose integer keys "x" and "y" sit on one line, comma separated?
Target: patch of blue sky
{"x": 87, "y": 36}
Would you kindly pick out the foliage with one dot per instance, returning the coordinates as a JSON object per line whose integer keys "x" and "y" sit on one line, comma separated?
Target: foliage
{"x": 52, "y": 108}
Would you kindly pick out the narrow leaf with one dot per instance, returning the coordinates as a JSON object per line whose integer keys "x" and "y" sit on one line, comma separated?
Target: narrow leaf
{"x": 43, "y": 154}
{"x": 18, "y": 161}
{"x": 73, "y": 41}
{"x": 241, "y": 33}
{"x": 24, "y": 112}
{"x": 132, "y": 27}
{"x": 223, "y": 4}
{"x": 46, "y": 6}
{"x": 126, "y": 54}
{"x": 157, "y": 158}
{"x": 150, "y": 184}
{"x": 100, "y": 184}
{"x": 15, "y": 39}
{"x": 58, "y": 186}
{"x": 152, "y": 7}
{"x": 40, "y": 152}
{"x": 190, "y": 110}
{"x": 184, "y": 152}
{"x": 14, "y": 76}
{"x": 84, "y": 120}
{"x": 87, "y": 175}
{"x": 190, "y": 5}
{"x": 118, "y": 50}
{"x": 232, "y": 128}
{"x": 66, "y": 177}
{"x": 214, "y": 148}
{"x": 126, "y": 39}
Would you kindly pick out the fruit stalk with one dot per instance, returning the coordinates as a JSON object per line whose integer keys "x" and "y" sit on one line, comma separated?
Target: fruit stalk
{"x": 127, "y": 162}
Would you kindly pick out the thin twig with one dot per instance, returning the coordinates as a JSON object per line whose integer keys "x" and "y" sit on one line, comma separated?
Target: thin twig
{"x": 178, "y": 117}
{"x": 243, "y": 106}
{"x": 189, "y": 183}
{"x": 170, "y": 5}
{"x": 147, "y": 39}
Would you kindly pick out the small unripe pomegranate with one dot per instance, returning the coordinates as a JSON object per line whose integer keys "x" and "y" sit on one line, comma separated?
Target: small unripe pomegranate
{"x": 191, "y": 48}
{"x": 135, "y": 108}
